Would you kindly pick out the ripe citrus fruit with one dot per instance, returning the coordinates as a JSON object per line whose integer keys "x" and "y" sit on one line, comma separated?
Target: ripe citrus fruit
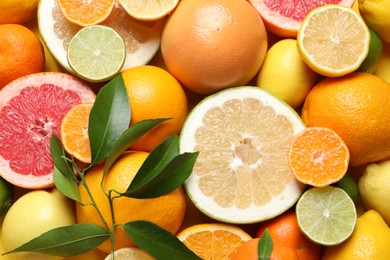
{"x": 283, "y": 18}
{"x": 284, "y": 59}
{"x": 375, "y": 51}
{"x": 284, "y": 229}
{"x": 349, "y": 185}
{"x": 74, "y": 132}
{"x": 21, "y": 53}
{"x": 155, "y": 93}
{"x": 249, "y": 251}
{"x": 340, "y": 34}
{"x": 96, "y": 53}
{"x": 31, "y": 215}
{"x": 142, "y": 39}
{"x": 374, "y": 187}
{"x": 209, "y": 45}
{"x": 148, "y": 10}
{"x": 326, "y": 215}
{"x": 376, "y": 14}
{"x": 213, "y": 240}
{"x": 129, "y": 253}
{"x": 318, "y": 156}
{"x": 383, "y": 68}
{"x": 6, "y": 195}
{"x": 166, "y": 211}
{"x": 85, "y": 13}
{"x": 241, "y": 174}
{"x": 17, "y": 11}
{"x": 369, "y": 240}
{"x": 31, "y": 109}
{"x": 356, "y": 106}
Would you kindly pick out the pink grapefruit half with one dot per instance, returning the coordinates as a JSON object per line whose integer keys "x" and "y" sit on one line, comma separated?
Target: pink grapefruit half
{"x": 283, "y": 17}
{"x": 31, "y": 109}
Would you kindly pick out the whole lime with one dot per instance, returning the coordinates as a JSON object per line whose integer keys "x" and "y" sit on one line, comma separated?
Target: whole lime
{"x": 375, "y": 50}
{"x": 6, "y": 195}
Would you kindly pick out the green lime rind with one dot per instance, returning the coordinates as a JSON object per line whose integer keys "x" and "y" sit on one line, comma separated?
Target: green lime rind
{"x": 96, "y": 53}
{"x": 6, "y": 195}
{"x": 349, "y": 185}
{"x": 326, "y": 215}
{"x": 375, "y": 50}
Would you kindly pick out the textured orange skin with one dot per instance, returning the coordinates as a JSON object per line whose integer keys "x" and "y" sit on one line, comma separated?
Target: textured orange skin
{"x": 357, "y": 107}
{"x": 284, "y": 229}
{"x": 211, "y": 45}
{"x": 21, "y": 53}
{"x": 166, "y": 211}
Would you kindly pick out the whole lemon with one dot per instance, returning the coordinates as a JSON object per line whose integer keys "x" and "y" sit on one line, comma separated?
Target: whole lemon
{"x": 31, "y": 215}
{"x": 383, "y": 67}
{"x": 374, "y": 188}
{"x": 376, "y": 14}
{"x": 369, "y": 240}
{"x": 284, "y": 59}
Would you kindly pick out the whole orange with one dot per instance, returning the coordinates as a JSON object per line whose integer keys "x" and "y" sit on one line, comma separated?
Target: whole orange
{"x": 155, "y": 93}
{"x": 21, "y": 53}
{"x": 209, "y": 45}
{"x": 167, "y": 211}
{"x": 284, "y": 229}
{"x": 357, "y": 107}
{"x": 249, "y": 251}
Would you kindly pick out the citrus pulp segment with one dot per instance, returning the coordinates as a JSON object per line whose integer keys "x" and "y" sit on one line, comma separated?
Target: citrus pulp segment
{"x": 142, "y": 39}
{"x": 340, "y": 34}
{"x": 318, "y": 156}
{"x": 148, "y": 10}
{"x": 31, "y": 109}
{"x": 86, "y": 13}
{"x": 74, "y": 132}
{"x": 284, "y": 17}
{"x": 213, "y": 240}
{"x": 241, "y": 174}
{"x": 326, "y": 215}
{"x": 96, "y": 53}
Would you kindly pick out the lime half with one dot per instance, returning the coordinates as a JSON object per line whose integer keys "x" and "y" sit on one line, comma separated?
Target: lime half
{"x": 96, "y": 53}
{"x": 326, "y": 215}
{"x": 6, "y": 195}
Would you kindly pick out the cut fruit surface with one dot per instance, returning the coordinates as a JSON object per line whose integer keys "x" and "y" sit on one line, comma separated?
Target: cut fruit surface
{"x": 318, "y": 156}
{"x": 150, "y": 10}
{"x": 340, "y": 34}
{"x": 242, "y": 173}
{"x": 31, "y": 109}
{"x": 85, "y": 13}
{"x": 142, "y": 39}
{"x": 326, "y": 215}
{"x": 96, "y": 53}
{"x": 283, "y": 17}
{"x": 213, "y": 240}
{"x": 74, "y": 132}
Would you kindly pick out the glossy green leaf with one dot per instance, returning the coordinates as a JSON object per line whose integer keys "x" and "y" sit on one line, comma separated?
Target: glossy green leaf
{"x": 264, "y": 247}
{"x": 66, "y": 241}
{"x": 158, "y": 242}
{"x": 58, "y": 153}
{"x": 108, "y": 119}
{"x": 66, "y": 186}
{"x": 128, "y": 138}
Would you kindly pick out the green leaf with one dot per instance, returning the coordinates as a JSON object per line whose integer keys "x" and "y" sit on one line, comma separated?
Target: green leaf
{"x": 128, "y": 138}
{"x": 108, "y": 119}
{"x": 58, "y": 153}
{"x": 158, "y": 242}
{"x": 264, "y": 247}
{"x": 66, "y": 241}
{"x": 66, "y": 186}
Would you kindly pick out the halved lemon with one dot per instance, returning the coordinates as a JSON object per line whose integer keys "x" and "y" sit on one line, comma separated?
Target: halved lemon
{"x": 333, "y": 40}
{"x": 150, "y": 10}
{"x": 242, "y": 173}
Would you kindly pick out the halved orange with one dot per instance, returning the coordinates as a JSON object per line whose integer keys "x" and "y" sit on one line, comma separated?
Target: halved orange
{"x": 74, "y": 132}
{"x": 213, "y": 240}
{"x": 85, "y": 13}
{"x": 318, "y": 156}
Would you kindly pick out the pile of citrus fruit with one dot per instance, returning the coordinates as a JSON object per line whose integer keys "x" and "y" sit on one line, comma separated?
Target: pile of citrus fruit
{"x": 286, "y": 102}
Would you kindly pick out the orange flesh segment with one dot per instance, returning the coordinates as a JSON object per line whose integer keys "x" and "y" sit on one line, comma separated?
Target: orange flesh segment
{"x": 318, "y": 156}
{"x": 74, "y": 132}
{"x": 241, "y": 159}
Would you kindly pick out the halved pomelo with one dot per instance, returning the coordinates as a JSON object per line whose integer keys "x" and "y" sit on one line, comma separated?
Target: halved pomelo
{"x": 31, "y": 109}
{"x": 142, "y": 39}
{"x": 283, "y": 17}
{"x": 242, "y": 174}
